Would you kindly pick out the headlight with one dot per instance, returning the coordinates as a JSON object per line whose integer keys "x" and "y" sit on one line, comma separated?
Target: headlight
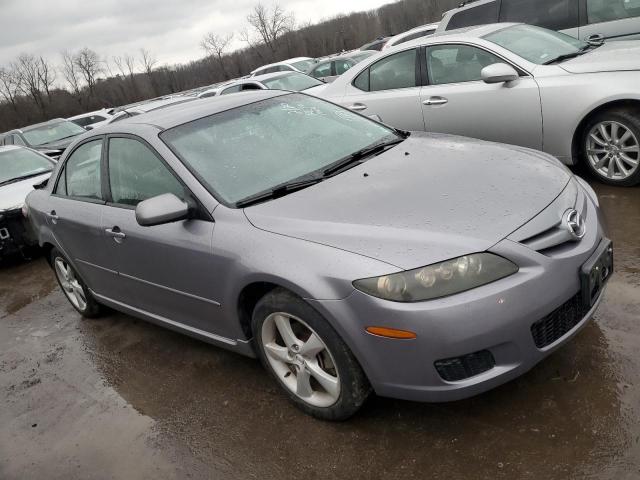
{"x": 439, "y": 280}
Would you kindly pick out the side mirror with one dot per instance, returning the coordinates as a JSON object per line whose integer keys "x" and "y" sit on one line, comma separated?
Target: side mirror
{"x": 165, "y": 208}
{"x": 499, "y": 73}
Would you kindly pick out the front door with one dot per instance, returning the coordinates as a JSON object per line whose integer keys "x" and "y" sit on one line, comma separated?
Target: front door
{"x": 457, "y": 101}
{"x": 74, "y": 216}
{"x": 165, "y": 270}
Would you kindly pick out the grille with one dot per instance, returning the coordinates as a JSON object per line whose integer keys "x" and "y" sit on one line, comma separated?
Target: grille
{"x": 460, "y": 368}
{"x": 559, "y": 322}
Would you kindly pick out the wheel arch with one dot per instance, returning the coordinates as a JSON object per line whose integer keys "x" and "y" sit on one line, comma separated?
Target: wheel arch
{"x": 576, "y": 147}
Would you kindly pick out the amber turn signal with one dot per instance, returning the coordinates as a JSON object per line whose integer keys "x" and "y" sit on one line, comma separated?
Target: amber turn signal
{"x": 391, "y": 333}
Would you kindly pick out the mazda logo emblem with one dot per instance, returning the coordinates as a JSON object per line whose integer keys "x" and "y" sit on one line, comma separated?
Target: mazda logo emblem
{"x": 574, "y": 223}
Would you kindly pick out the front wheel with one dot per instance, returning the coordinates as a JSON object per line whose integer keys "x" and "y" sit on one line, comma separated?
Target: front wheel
{"x": 73, "y": 287}
{"x": 307, "y": 357}
{"x": 611, "y": 147}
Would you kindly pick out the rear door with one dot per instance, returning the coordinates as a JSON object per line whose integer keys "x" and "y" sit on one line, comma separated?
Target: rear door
{"x": 74, "y": 216}
{"x": 390, "y": 89}
{"x": 610, "y": 20}
{"x": 457, "y": 101}
{"x": 165, "y": 270}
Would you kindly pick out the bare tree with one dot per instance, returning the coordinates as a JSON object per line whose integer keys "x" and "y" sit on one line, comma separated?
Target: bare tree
{"x": 70, "y": 72}
{"x": 28, "y": 69}
{"x": 48, "y": 76}
{"x": 270, "y": 24}
{"x": 215, "y": 46}
{"x": 9, "y": 86}
{"x": 148, "y": 62}
{"x": 89, "y": 66}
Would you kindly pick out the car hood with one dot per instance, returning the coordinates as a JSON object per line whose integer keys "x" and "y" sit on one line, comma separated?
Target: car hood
{"x": 431, "y": 198}
{"x": 13, "y": 195}
{"x": 57, "y": 145}
{"x": 610, "y": 57}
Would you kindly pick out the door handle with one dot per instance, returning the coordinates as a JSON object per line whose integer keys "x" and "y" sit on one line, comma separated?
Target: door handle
{"x": 358, "y": 107}
{"x": 116, "y": 233}
{"x": 435, "y": 101}
{"x": 53, "y": 216}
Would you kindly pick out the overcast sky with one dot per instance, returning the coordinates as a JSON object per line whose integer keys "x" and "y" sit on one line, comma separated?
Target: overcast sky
{"x": 171, "y": 29}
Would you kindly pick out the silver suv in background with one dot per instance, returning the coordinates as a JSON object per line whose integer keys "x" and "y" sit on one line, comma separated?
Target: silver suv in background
{"x": 588, "y": 20}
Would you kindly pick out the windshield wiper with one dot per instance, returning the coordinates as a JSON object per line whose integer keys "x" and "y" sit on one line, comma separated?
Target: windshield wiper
{"x": 567, "y": 56}
{"x": 278, "y": 191}
{"x": 356, "y": 158}
{"x": 23, "y": 177}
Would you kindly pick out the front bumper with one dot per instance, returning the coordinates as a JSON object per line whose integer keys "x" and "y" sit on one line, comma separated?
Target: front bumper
{"x": 497, "y": 318}
{"x": 15, "y": 232}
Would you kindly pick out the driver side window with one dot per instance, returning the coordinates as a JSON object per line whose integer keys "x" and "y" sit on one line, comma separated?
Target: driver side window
{"x": 457, "y": 63}
{"x": 136, "y": 173}
{"x": 80, "y": 177}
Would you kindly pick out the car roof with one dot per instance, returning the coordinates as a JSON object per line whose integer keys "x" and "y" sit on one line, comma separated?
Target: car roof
{"x": 282, "y": 62}
{"x": 459, "y": 34}
{"x": 268, "y": 76}
{"x": 42, "y": 124}
{"x": 89, "y": 114}
{"x": 178, "y": 114}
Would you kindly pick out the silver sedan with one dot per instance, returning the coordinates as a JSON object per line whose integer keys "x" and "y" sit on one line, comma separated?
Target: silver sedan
{"x": 515, "y": 84}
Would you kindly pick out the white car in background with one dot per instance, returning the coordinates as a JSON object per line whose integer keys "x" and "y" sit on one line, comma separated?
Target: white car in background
{"x": 418, "y": 32}
{"x": 20, "y": 169}
{"x": 298, "y": 64}
{"x": 91, "y": 120}
{"x": 289, "y": 81}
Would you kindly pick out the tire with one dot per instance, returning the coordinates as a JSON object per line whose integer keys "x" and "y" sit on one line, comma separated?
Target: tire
{"x": 74, "y": 287}
{"x": 609, "y": 161}
{"x": 344, "y": 386}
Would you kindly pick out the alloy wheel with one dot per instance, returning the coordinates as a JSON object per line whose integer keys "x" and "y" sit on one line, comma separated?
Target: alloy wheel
{"x": 70, "y": 284}
{"x": 613, "y": 150}
{"x": 300, "y": 359}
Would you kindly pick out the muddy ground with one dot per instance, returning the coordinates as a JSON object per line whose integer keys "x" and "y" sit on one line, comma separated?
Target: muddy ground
{"x": 120, "y": 398}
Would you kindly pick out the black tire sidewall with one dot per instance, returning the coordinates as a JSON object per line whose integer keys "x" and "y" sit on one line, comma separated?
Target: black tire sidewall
{"x": 92, "y": 308}
{"x": 354, "y": 387}
{"x": 627, "y": 117}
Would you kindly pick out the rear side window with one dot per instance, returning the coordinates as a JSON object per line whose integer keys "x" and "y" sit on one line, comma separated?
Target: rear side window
{"x": 323, "y": 70}
{"x": 234, "y": 89}
{"x": 392, "y": 72}
{"x": 552, "y": 14}
{"x": 136, "y": 173}
{"x": 609, "y": 10}
{"x": 17, "y": 140}
{"x": 480, "y": 15}
{"x": 342, "y": 66}
{"x": 82, "y": 171}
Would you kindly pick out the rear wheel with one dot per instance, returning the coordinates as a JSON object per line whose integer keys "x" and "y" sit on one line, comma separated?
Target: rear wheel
{"x": 307, "y": 357}
{"x": 611, "y": 147}
{"x": 73, "y": 287}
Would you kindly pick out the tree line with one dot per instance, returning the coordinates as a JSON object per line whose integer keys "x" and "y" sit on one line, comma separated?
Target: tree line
{"x": 35, "y": 89}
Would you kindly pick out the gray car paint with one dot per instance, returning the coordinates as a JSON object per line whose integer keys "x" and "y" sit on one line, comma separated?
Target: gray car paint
{"x": 532, "y": 111}
{"x": 190, "y": 275}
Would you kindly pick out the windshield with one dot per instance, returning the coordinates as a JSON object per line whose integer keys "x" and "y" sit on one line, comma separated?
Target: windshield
{"x": 295, "y": 82}
{"x": 52, "y": 133}
{"x": 304, "y": 65}
{"x": 535, "y": 44}
{"x": 20, "y": 162}
{"x": 256, "y": 147}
